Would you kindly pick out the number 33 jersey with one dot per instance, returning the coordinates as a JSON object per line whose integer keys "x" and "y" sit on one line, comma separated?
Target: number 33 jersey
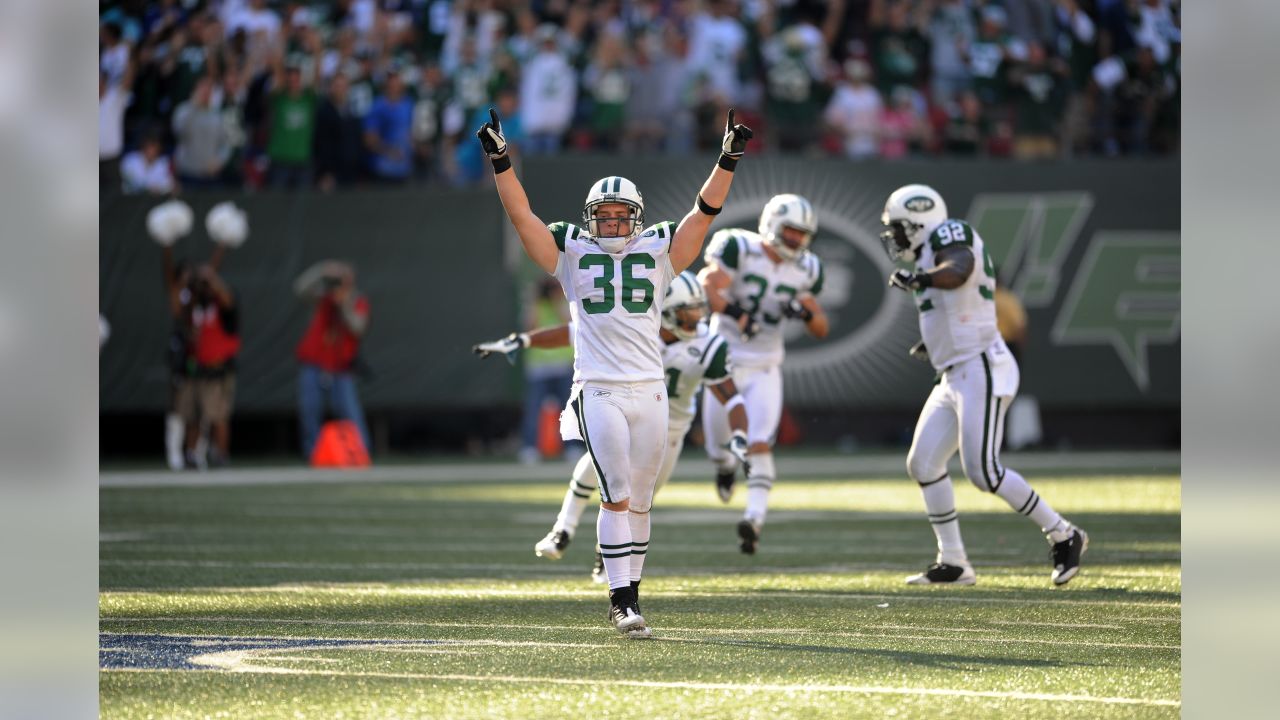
{"x": 762, "y": 288}
{"x": 958, "y": 324}
{"x": 616, "y": 302}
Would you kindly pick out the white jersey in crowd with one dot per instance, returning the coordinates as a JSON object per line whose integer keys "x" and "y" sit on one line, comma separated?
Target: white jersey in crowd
{"x": 615, "y": 301}
{"x": 761, "y": 287}
{"x": 959, "y": 324}
{"x": 688, "y": 364}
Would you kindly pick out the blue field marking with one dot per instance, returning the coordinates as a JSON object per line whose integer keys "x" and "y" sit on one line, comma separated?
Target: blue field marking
{"x": 174, "y": 652}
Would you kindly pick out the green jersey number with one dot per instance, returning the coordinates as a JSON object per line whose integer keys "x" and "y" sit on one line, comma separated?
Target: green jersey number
{"x": 673, "y": 380}
{"x": 630, "y": 283}
{"x": 990, "y": 269}
{"x": 761, "y": 287}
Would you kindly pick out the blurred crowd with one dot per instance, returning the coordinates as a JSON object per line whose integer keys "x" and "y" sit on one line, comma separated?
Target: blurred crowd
{"x": 203, "y": 93}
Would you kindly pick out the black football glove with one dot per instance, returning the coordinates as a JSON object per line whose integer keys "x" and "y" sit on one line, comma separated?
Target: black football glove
{"x": 750, "y": 328}
{"x": 793, "y": 308}
{"x": 734, "y": 144}
{"x": 910, "y": 281}
{"x": 494, "y": 142}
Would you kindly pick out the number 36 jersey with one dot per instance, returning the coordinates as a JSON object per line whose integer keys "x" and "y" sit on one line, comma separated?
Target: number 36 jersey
{"x": 616, "y": 302}
{"x": 762, "y": 288}
{"x": 958, "y": 324}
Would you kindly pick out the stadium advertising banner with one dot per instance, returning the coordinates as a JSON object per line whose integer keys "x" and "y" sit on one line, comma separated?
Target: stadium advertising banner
{"x": 1092, "y": 248}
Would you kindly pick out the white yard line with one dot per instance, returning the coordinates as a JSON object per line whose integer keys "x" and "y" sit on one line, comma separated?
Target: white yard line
{"x": 942, "y": 595}
{"x": 700, "y": 631}
{"x": 885, "y": 464}
{"x": 722, "y": 687}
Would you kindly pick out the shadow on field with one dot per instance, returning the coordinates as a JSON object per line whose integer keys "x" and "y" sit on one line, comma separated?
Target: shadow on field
{"x": 403, "y": 533}
{"x": 943, "y": 661}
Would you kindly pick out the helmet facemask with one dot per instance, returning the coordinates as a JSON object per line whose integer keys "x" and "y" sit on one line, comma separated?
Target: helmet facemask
{"x": 628, "y": 226}
{"x": 898, "y": 239}
{"x": 683, "y": 320}
{"x": 783, "y": 212}
{"x": 778, "y": 241}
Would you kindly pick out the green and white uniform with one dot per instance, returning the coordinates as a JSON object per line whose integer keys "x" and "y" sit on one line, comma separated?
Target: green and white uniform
{"x": 618, "y": 404}
{"x": 689, "y": 364}
{"x": 977, "y": 375}
{"x": 762, "y": 287}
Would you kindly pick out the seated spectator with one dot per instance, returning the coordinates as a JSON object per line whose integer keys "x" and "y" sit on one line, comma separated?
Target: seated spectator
{"x": 548, "y": 94}
{"x": 339, "y": 137}
{"x": 898, "y": 47}
{"x": 1037, "y": 87}
{"x": 902, "y": 125}
{"x": 608, "y": 83}
{"x": 293, "y": 111}
{"x": 950, "y": 32}
{"x": 854, "y": 111}
{"x": 470, "y": 161}
{"x": 388, "y": 132}
{"x": 147, "y": 169}
{"x": 113, "y": 100}
{"x": 966, "y": 130}
{"x": 794, "y": 90}
{"x": 204, "y": 140}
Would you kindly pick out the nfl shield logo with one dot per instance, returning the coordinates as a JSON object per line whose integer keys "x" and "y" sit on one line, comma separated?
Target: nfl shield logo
{"x": 657, "y": 396}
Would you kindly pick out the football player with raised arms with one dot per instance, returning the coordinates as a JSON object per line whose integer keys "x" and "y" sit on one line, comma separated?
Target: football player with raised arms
{"x": 614, "y": 273}
{"x": 691, "y": 356}
{"x": 953, "y": 285}
{"x": 755, "y": 282}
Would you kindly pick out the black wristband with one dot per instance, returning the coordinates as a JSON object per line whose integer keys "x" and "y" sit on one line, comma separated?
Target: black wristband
{"x": 706, "y": 209}
{"x": 806, "y": 314}
{"x": 924, "y": 279}
{"x": 734, "y": 310}
{"x": 727, "y": 163}
{"x": 501, "y": 164}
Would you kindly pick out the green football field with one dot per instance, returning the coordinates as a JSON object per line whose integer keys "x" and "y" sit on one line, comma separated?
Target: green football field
{"x": 384, "y": 598}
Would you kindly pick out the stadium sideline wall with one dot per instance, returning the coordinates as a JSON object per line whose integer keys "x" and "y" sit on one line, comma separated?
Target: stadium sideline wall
{"x": 1092, "y": 247}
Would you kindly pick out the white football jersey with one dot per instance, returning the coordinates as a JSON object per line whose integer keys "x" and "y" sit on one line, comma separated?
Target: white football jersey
{"x": 761, "y": 287}
{"x": 688, "y": 364}
{"x": 616, "y": 302}
{"x": 958, "y": 324}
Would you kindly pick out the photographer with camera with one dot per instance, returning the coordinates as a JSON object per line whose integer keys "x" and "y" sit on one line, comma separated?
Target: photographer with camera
{"x": 327, "y": 352}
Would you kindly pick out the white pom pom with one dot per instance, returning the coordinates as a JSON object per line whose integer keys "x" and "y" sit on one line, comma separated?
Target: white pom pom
{"x": 169, "y": 221}
{"x": 227, "y": 224}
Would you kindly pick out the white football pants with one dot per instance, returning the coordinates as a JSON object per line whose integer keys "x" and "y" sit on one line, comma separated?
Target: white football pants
{"x": 624, "y": 426}
{"x": 761, "y": 390}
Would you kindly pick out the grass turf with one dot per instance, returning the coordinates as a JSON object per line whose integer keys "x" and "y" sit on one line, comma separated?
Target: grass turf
{"x": 456, "y": 617}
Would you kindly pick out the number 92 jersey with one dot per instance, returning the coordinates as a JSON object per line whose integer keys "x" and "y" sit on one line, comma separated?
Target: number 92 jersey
{"x": 615, "y": 301}
{"x": 957, "y": 324}
{"x": 761, "y": 287}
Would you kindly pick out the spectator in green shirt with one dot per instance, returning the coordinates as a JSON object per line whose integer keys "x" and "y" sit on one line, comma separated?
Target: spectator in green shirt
{"x": 293, "y": 119}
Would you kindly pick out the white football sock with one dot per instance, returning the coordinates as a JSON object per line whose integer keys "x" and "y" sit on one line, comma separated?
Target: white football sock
{"x": 1015, "y": 491}
{"x": 613, "y": 529}
{"x": 174, "y": 433}
{"x": 639, "y": 542}
{"x": 940, "y": 504}
{"x": 577, "y": 497}
{"x": 759, "y": 483}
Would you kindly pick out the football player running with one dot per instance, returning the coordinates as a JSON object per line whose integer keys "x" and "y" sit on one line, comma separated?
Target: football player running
{"x": 614, "y": 273}
{"x": 755, "y": 282}
{"x": 953, "y": 284}
{"x": 692, "y": 357}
